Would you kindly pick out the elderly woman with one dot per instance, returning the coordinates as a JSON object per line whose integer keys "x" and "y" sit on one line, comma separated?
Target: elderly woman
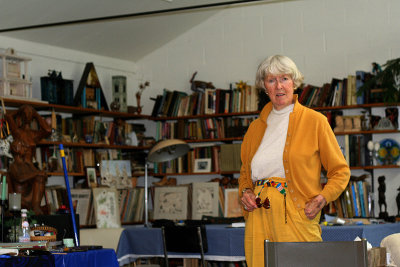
{"x": 282, "y": 155}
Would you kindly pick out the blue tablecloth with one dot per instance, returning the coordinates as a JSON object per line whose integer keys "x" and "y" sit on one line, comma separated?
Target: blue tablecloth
{"x": 90, "y": 258}
{"x": 226, "y": 243}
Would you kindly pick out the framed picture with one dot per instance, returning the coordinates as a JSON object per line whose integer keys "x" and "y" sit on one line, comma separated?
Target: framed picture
{"x": 116, "y": 173}
{"x": 170, "y": 202}
{"x": 202, "y": 165}
{"x": 232, "y": 205}
{"x": 91, "y": 176}
{"x": 106, "y": 207}
{"x": 205, "y": 199}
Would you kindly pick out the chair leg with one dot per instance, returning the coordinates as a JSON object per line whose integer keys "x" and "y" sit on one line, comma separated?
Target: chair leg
{"x": 203, "y": 263}
{"x": 165, "y": 247}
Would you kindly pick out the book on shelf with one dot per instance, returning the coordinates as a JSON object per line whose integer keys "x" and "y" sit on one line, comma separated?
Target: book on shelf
{"x": 360, "y": 78}
{"x": 355, "y": 201}
{"x": 81, "y": 199}
{"x": 230, "y": 157}
{"x": 211, "y": 101}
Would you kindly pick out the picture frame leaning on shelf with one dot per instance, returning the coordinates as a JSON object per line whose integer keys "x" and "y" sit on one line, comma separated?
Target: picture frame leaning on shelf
{"x": 205, "y": 200}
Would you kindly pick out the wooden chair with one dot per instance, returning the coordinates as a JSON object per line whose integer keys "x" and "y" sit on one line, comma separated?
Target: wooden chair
{"x": 184, "y": 239}
{"x": 316, "y": 254}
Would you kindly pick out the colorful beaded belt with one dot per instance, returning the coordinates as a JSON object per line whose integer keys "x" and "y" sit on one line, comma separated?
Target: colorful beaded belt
{"x": 271, "y": 183}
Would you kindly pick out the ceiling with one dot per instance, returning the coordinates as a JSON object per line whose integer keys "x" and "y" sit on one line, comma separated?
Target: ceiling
{"x": 129, "y": 38}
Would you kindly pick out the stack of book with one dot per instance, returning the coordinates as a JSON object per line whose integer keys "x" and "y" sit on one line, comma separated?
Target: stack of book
{"x": 211, "y": 101}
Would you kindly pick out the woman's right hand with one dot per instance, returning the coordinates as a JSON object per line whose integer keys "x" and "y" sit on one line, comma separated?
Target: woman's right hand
{"x": 248, "y": 200}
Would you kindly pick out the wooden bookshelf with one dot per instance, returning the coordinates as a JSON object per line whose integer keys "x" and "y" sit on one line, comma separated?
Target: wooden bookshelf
{"x": 372, "y": 105}
{"x": 94, "y": 146}
{"x": 43, "y": 106}
{"x": 202, "y": 116}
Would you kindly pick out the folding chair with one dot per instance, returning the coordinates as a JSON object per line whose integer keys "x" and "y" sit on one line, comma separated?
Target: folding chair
{"x": 184, "y": 239}
{"x": 316, "y": 254}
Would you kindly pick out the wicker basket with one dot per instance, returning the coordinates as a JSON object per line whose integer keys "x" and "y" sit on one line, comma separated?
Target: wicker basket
{"x": 46, "y": 229}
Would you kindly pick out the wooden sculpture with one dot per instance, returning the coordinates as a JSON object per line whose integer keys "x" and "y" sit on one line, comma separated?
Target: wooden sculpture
{"x": 23, "y": 176}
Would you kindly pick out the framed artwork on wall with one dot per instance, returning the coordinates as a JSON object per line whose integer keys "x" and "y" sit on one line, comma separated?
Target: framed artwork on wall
{"x": 170, "y": 202}
{"x": 205, "y": 200}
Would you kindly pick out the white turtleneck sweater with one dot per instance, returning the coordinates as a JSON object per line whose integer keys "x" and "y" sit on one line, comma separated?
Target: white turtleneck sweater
{"x": 267, "y": 162}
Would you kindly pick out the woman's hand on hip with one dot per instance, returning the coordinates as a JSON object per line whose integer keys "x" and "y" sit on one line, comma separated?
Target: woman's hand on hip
{"x": 248, "y": 200}
{"x": 314, "y": 206}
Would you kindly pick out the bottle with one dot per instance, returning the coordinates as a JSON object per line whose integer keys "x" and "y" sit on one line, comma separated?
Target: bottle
{"x": 25, "y": 229}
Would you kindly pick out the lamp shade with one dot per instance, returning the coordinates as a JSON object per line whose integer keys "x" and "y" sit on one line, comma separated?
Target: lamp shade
{"x": 167, "y": 150}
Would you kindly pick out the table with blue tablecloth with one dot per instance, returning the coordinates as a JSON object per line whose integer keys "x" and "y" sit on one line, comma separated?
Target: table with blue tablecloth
{"x": 90, "y": 258}
{"x": 226, "y": 243}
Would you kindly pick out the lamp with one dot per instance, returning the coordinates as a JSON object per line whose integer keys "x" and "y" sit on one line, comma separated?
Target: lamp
{"x": 165, "y": 150}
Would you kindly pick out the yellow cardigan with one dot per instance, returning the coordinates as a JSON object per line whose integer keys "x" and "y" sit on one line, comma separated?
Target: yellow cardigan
{"x": 310, "y": 142}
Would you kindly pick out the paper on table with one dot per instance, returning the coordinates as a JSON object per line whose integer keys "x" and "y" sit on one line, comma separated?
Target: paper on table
{"x": 238, "y": 224}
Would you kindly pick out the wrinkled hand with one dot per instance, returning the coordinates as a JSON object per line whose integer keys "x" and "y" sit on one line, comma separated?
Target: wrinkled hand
{"x": 248, "y": 200}
{"x": 314, "y": 206}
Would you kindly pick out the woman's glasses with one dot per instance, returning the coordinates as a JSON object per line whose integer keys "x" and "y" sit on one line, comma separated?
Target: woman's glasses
{"x": 264, "y": 204}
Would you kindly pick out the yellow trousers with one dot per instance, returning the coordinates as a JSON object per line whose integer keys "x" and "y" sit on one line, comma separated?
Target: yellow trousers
{"x": 269, "y": 224}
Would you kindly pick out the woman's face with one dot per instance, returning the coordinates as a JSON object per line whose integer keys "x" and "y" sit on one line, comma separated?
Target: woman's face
{"x": 280, "y": 90}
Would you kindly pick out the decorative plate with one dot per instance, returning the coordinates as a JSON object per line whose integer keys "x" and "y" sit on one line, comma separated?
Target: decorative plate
{"x": 389, "y": 152}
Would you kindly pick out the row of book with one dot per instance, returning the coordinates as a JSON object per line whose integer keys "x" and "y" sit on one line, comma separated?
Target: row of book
{"x": 131, "y": 204}
{"x": 224, "y": 157}
{"x": 355, "y": 201}
{"x": 198, "y": 159}
{"x": 339, "y": 92}
{"x": 356, "y": 151}
{"x": 208, "y": 128}
{"x": 93, "y": 130}
{"x": 77, "y": 159}
{"x": 210, "y": 101}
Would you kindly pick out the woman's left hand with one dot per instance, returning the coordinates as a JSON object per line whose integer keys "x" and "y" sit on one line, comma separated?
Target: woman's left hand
{"x": 314, "y": 206}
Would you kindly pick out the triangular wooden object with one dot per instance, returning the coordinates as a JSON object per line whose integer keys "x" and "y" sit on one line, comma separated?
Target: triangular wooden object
{"x": 89, "y": 93}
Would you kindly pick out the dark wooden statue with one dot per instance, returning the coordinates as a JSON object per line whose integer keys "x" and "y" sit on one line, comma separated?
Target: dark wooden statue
{"x": 382, "y": 198}
{"x": 23, "y": 176}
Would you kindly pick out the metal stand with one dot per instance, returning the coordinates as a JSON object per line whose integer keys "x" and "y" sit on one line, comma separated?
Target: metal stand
{"x": 146, "y": 197}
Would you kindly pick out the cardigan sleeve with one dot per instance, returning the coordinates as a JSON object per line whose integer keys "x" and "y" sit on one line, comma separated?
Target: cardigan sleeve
{"x": 332, "y": 159}
{"x": 245, "y": 180}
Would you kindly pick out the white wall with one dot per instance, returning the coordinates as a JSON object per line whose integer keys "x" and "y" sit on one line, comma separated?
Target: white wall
{"x": 71, "y": 63}
{"x": 325, "y": 38}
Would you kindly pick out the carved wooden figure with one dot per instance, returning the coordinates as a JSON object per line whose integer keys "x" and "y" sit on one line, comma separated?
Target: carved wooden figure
{"x": 381, "y": 194}
{"x": 23, "y": 176}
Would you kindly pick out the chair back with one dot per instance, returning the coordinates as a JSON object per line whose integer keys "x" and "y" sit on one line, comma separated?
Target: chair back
{"x": 185, "y": 239}
{"x": 316, "y": 254}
